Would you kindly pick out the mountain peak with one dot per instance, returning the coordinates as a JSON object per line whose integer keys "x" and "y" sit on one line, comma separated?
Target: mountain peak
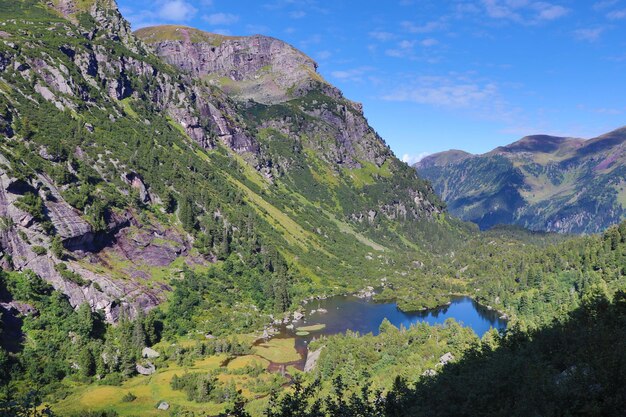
{"x": 442, "y": 158}
{"x": 538, "y": 144}
{"x": 259, "y": 68}
{"x": 70, "y": 8}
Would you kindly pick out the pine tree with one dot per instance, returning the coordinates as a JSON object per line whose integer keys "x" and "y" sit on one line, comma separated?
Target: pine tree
{"x": 86, "y": 362}
{"x": 139, "y": 333}
{"x": 186, "y": 213}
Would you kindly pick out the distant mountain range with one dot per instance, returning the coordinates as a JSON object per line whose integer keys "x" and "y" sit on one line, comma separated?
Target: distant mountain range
{"x": 541, "y": 182}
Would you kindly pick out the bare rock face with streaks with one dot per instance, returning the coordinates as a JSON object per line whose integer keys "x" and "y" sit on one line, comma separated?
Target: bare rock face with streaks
{"x": 140, "y": 246}
{"x": 258, "y": 68}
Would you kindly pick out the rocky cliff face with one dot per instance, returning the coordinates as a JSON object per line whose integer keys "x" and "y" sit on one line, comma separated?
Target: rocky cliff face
{"x": 542, "y": 182}
{"x": 139, "y": 245}
{"x": 258, "y": 68}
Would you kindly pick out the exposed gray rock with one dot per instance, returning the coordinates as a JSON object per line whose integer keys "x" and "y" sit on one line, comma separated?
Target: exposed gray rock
{"x": 146, "y": 370}
{"x": 19, "y": 308}
{"x": 446, "y": 358}
{"x": 134, "y": 180}
{"x": 311, "y": 359}
{"x": 259, "y": 68}
{"x": 149, "y": 353}
{"x": 102, "y": 292}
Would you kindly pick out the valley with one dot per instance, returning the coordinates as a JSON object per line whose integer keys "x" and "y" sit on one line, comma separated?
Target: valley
{"x": 198, "y": 224}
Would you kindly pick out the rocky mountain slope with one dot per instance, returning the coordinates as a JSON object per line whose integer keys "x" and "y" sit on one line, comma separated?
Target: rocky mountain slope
{"x": 258, "y": 68}
{"x": 541, "y": 182}
{"x": 126, "y": 159}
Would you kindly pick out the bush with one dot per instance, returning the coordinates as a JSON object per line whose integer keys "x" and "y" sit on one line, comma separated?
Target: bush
{"x": 40, "y": 250}
{"x": 71, "y": 275}
{"x": 129, "y": 397}
{"x": 114, "y": 379}
{"x": 56, "y": 246}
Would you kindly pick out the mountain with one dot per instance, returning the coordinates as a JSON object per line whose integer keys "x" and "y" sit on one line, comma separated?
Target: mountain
{"x": 541, "y": 182}
{"x": 129, "y": 158}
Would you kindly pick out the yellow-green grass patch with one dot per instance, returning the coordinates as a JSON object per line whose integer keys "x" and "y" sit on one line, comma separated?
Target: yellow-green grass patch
{"x": 278, "y": 350}
{"x": 248, "y": 360}
{"x": 148, "y": 390}
{"x": 311, "y": 328}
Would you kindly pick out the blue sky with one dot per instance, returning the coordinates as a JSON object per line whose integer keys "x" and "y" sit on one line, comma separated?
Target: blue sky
{"x": 440, "y": 74}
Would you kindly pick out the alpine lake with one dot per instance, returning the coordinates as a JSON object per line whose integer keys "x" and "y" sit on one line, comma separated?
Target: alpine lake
{"x": 343, "y": 313}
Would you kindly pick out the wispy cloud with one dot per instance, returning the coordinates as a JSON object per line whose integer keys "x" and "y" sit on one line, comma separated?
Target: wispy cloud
{"x": 382, "y": 36}
{"x": 589, "y": 34}
{"x": 414, "y": 159}
{"x": 423, "y": 28}
{"x": 358, "y": 74}
{"x": 298, "y": 14}
{"x": 164, "y": 11}
{"x": 409, "y": 49}
{"x": 220, "y": 19}
{"x": 177, "y": 10}
{"x": 311, "y": 40}
{"x": 443, "y": 93}
{"x": 523, "y": 11}
{"x": 323, "y": 55}
{"x": 605, "y": 4}
{"x": 616, "y": 14}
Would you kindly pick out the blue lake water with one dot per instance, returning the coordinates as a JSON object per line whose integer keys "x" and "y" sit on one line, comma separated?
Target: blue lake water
{"x": 347, "y": 312}
{"x": 365, "y": 316}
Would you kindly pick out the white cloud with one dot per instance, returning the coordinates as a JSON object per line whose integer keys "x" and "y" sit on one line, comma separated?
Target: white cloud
{"x": 355, "y": 74}
{"x": 425, "y": 28}
{"x": 414, "y": 159}
{"x": 523, "y": 11}
{"x": 589, "y": 34}
{"x": 177, "y": 10}
{"x": 163, "y": 11}
{"x": 311, "y": 40}
{"x": 297, "y": 14}
{"x": 616, "y": 14}
{"x": 216, "y": 19}
{"x": 549, "y": 11}
{"x": 429, "y": 42}
{"x": 323, "y": 54}
{"x": 448, "y": 92}
{"x": 382, "y": 36}
{"x": 601, "y": 5}
{"x": 406, "y": 48}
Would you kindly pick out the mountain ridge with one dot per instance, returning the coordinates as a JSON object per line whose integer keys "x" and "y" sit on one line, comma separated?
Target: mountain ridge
{"x": 543, "y": 182}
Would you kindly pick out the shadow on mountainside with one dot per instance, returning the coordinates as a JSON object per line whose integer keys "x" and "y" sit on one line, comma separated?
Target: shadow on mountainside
{"x": 573, "y": 368}
{"x": 576, "y": 367}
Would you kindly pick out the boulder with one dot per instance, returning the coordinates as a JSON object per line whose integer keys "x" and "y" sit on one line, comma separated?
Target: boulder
{"x": 149, "y": 369}
{"x": 149, "y": 353}
{"x": 448, "y": 357}
{"x": 164, "y": 406}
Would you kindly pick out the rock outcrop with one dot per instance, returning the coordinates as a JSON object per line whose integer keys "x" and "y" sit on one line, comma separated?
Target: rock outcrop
{"x": 311, "y": 359}
{"x": 259, "y": 68}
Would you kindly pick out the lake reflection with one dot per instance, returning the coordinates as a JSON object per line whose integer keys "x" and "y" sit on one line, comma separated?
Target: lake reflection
{"x": 365, "y": 316}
